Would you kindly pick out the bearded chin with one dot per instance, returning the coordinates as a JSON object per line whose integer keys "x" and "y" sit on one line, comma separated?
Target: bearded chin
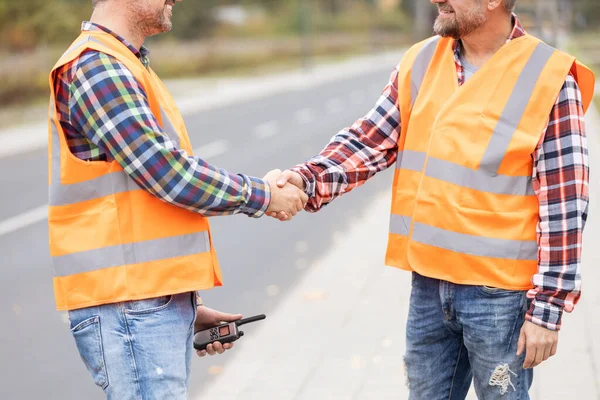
{"x": 447, "y": 28}
{"x": 458, "y": 30}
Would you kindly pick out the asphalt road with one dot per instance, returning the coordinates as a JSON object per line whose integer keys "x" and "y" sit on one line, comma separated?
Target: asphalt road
{"x": 261, "y": 259}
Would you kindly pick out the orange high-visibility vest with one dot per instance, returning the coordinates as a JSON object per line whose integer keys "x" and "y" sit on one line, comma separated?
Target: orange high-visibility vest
{"x": 111, "y": 241}
{"x": 463, "y": 205}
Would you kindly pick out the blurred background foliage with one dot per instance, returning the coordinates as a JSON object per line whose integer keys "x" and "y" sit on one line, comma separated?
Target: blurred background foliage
{"x": 236, "y": 36}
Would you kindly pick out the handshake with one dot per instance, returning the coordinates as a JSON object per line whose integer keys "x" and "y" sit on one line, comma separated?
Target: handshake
{"x": 287, "y": 194}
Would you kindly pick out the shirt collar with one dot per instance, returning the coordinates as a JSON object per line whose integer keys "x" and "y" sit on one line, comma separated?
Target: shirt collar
{"x": 142, "y": 53}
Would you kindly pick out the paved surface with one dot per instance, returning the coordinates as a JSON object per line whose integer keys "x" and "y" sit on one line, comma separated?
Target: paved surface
{"x": 335, "y": 324}
{"x": 269, "y": 122}
{"x": 340, "y": 333}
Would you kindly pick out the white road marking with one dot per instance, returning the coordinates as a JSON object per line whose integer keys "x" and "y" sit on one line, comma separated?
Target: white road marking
{"x": 334, "y": 106}
{"x": 24, "y": 139}
{"x": 266, "y": 130}
{"x": 23, "y": 220}
{"x": 357, "y": 96}
{"x": 304, "y": 116}
{"x": 211, "y": 150}
{"x": 301, "y": 247}
{"x": 273, "y": 290}
{"x": 41, "y": 213}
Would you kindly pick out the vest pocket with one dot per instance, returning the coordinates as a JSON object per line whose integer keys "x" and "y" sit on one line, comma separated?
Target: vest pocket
{"x": 88, "y": 339}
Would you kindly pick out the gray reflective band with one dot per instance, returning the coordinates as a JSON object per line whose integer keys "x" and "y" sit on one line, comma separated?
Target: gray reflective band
{"x": 411, "y": 160}
{"x": 515, "y": 108}
{"x": 420, "y": 66}
{"x": 479, "y": 180}
{"x": 104, "y": 185}
{"x": 55, "y": 179}
{"x": 475, "y": 245}
{"x": 74, "y": 46}
{"x": 130, "y": 254}
{"x": 169, "y": 128}
{"x": 466, "y": 177}
{"x": 400, "y": 225}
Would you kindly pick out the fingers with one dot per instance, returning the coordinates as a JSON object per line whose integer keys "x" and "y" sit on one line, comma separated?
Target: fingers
{"x": 521, "y": 343}
{"x": 214, "y": 349}
{"x": 539, "y": 356}
{"x": 225, "y": 317}
{"x": 304, "y": 198}
{"x": 547, "y": 352}
{"x": 530, "y": 355}
{"x": 554, "y": 349}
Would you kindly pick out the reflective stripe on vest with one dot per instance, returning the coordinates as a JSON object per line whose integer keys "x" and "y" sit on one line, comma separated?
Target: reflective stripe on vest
{"x": 420, "y": 67}
{"x": 131, "y": 253}
{"x": 462, "y": 243}
{"x": 486, "y": 177}
{"x": 106, "y": 185}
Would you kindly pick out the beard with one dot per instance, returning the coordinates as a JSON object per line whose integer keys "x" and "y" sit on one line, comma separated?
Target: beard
{"x": 457, "y": 27}
{"x": 151, "y": 22}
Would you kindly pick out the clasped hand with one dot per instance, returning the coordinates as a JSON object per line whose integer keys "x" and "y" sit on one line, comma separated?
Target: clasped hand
{"x": 287, "y": 194}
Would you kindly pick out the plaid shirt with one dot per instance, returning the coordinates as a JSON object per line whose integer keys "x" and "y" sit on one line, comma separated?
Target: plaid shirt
{"x": 105, "y": 114}
{"x": 560, "y": 181}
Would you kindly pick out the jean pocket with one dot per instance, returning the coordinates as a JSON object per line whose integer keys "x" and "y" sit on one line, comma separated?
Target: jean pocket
{"x": 88, "y": 339}
{"x": 147, "y": 306}
{"x": 499, "y": 291}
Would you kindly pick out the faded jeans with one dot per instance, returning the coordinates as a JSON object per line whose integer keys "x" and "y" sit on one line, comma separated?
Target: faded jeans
{"x": 457, "y": 334}
{"x": 138, "y": 349}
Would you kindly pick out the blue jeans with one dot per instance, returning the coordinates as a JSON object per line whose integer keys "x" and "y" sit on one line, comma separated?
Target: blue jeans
{"x": 138, "y": 349}
{"x": 460, "y": 333}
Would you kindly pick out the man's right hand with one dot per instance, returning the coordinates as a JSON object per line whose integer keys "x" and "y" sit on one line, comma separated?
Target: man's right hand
{"x": 286, "y": 198}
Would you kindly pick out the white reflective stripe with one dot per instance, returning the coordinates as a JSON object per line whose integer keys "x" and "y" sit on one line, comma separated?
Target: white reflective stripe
{"x": 55, "y": 178}
{"x": 75, "y": 45}
{"x": 475, "y": 245}
{"x": 131, "y": 253}
{"x": 466, "y": 177}
{"x": 169, "y": 128}
{"x": 515, "y": 108}
{"x": 104, "y": 185}
{"x": 479, "y": 180}
{"x": 400, "y": 225}
{"x": 411, "y": 160}
{"x": 420, "y": 66}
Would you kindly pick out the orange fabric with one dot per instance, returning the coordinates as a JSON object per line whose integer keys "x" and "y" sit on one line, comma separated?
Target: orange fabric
{"x": 455, "y": 125}
{"x": 122, "y": 218}
{"x": 135, "y": 282}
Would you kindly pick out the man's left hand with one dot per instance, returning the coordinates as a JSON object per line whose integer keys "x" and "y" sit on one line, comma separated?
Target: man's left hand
{"x": 538, "y": 343}
{"x": 208, "y": 318}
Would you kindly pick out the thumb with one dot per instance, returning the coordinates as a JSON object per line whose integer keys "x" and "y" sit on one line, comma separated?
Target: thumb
{"x": 225, "y": 317}
{"x": 285, "y": 177}
{"x": 274, "y": 174}
{"x": 521, "y": 343}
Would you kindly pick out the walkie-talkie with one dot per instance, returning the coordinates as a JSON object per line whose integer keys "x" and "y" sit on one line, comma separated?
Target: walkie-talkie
{"x": 226, "y": 333}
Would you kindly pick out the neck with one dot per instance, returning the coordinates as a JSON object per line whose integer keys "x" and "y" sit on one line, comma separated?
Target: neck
{"x": 481, "y": 44}
{"x": 118, "y": 22}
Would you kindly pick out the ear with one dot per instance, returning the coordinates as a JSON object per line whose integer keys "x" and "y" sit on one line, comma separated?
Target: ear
{"x": 493, "y": 5}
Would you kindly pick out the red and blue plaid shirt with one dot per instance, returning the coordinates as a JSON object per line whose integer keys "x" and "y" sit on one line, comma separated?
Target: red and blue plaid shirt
{"x": 105, "y": 114}
{"x": 560, "y": 180}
